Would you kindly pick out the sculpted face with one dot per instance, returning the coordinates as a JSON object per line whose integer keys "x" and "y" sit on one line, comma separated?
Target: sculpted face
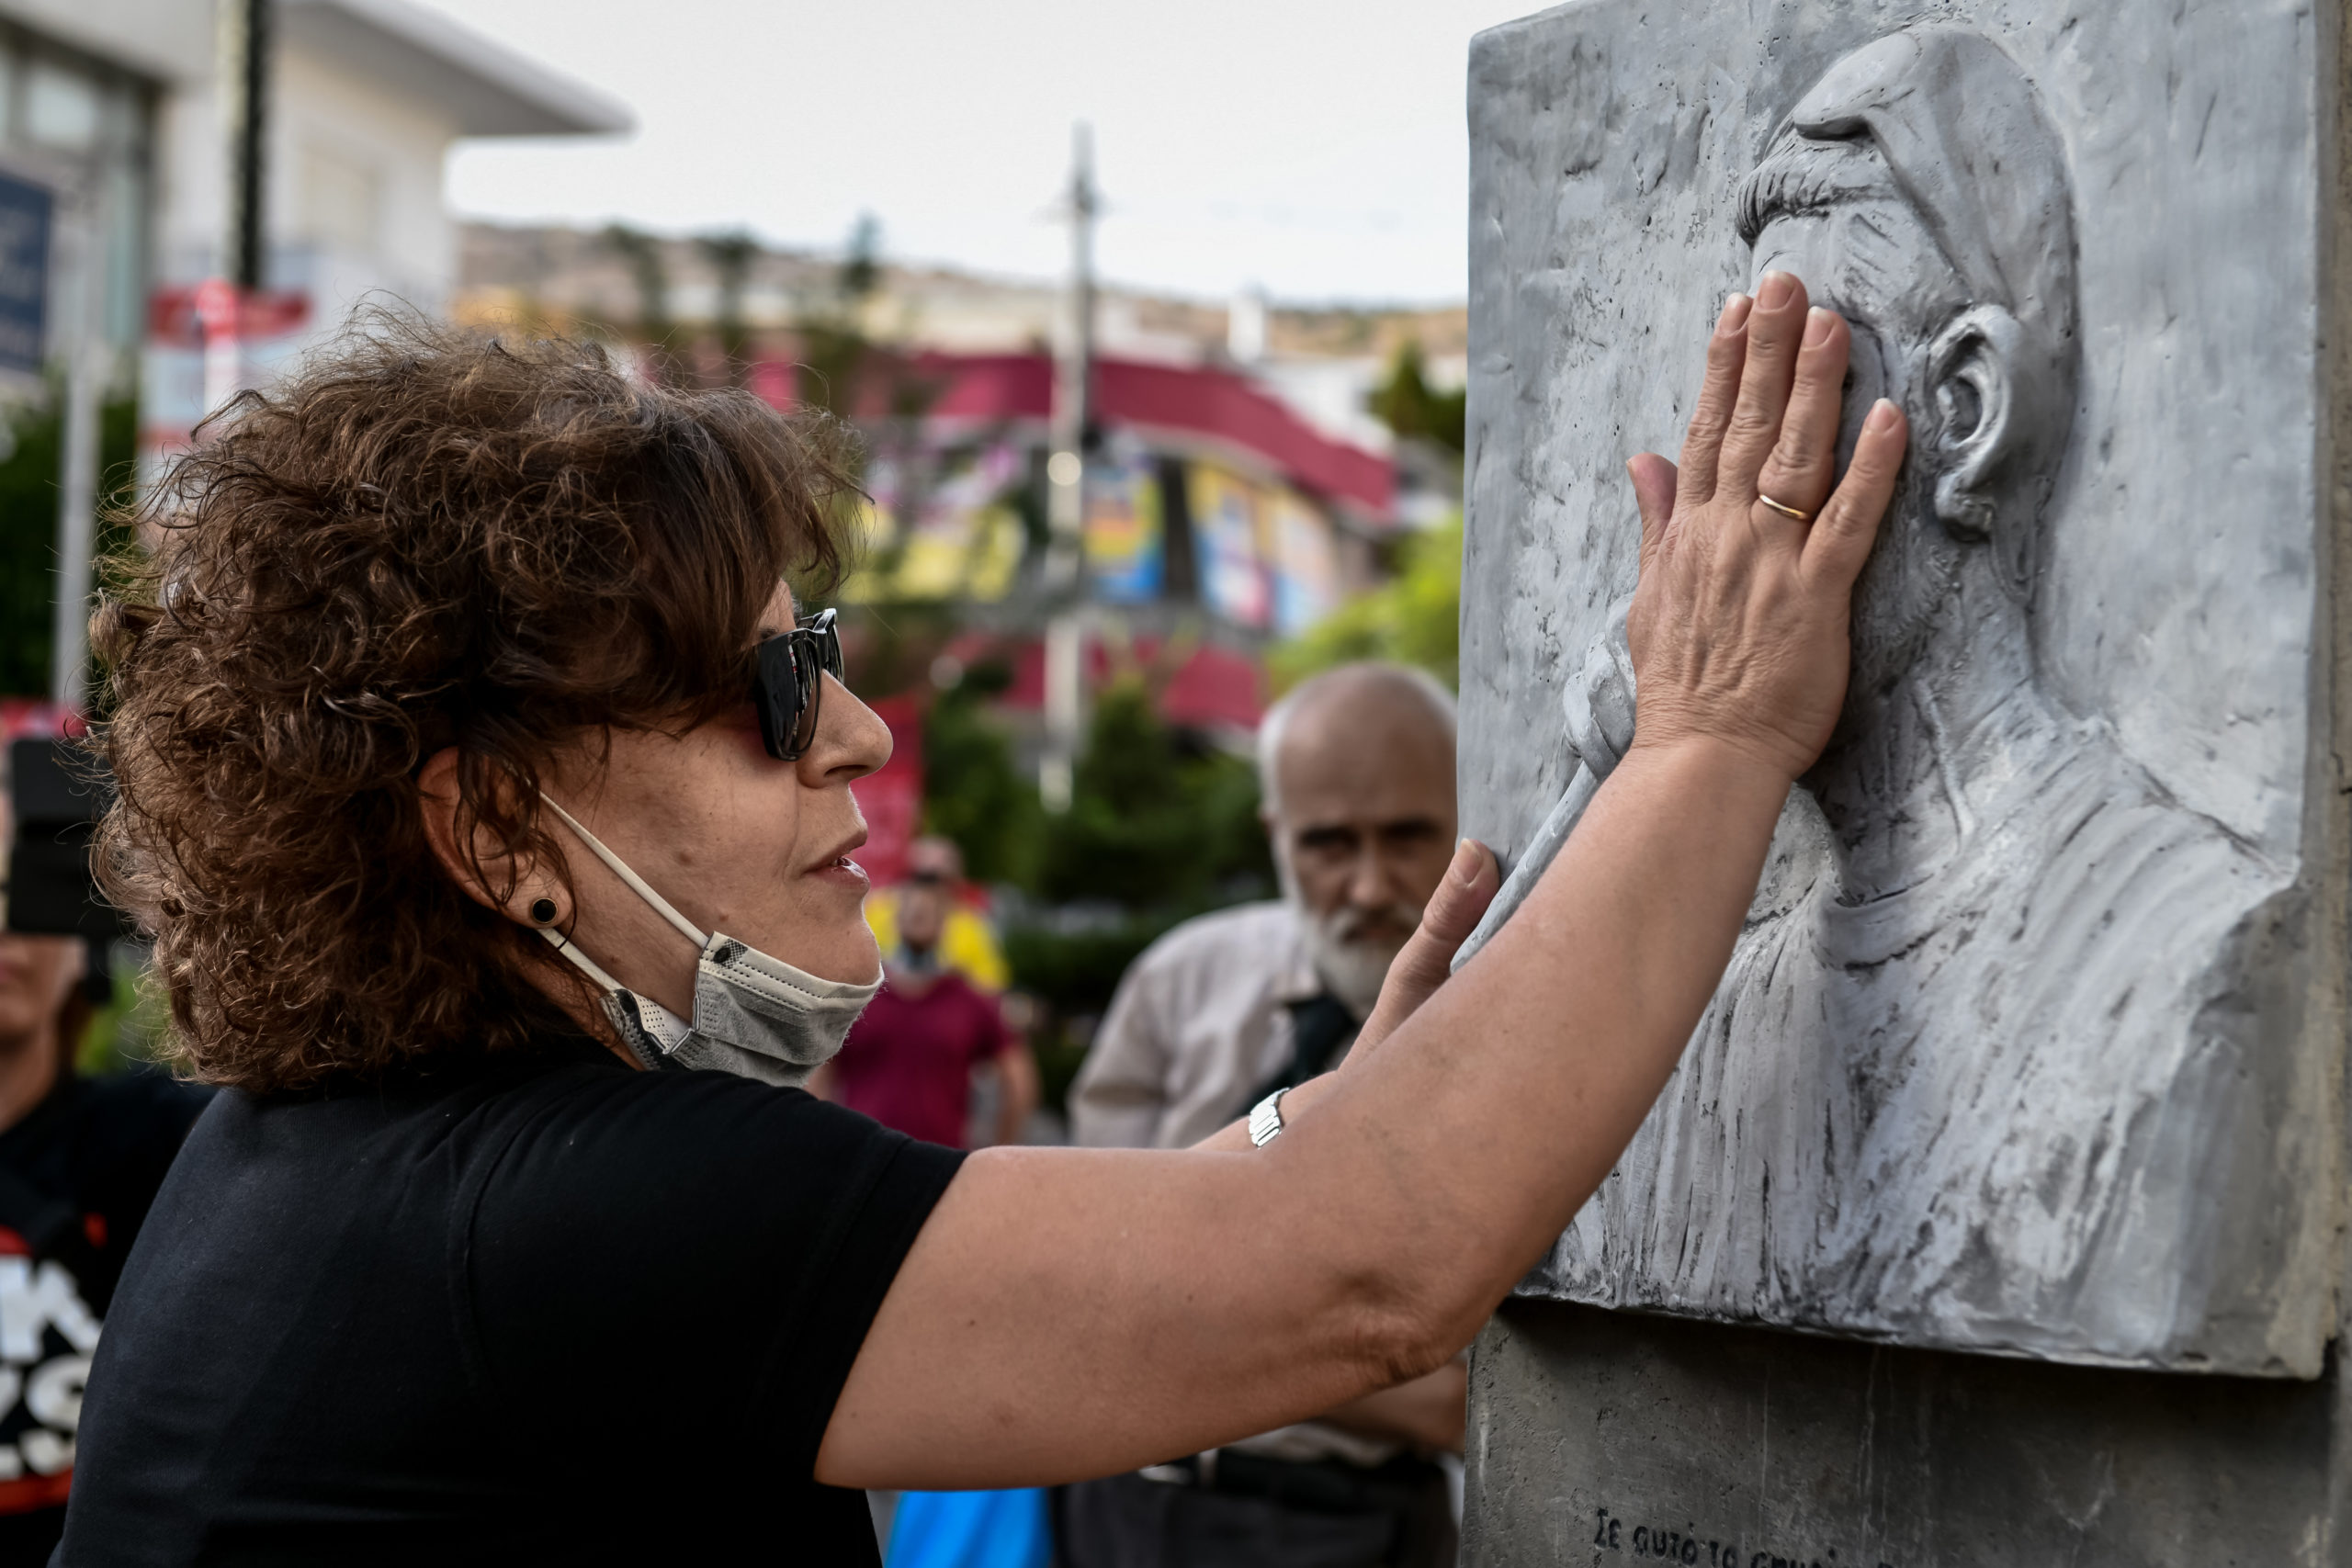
{"x": 1919, "y": 190}
{"x": 1866, "y": 255}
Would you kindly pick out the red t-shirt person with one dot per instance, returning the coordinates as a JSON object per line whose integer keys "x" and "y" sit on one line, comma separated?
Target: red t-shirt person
{"x": 910, "y": 1061}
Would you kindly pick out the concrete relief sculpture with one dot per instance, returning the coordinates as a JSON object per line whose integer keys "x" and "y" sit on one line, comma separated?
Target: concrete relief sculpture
{"x": 2008, "y": 1057}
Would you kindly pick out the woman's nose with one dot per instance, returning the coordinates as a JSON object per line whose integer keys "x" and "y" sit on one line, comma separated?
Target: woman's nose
{"x": 851, "y": 740}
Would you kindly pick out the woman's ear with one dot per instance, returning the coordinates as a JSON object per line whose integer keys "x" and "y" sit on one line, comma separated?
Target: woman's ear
{"x": 488, "y": 872}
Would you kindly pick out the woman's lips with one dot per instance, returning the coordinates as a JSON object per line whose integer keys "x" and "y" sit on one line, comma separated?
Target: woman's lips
{"x": 837, "y": 868}
{"x": 842, "y": 871}
{"x": 848, "y": 846}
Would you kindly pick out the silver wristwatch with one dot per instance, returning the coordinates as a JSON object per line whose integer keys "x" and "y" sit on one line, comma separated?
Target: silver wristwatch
{"x": 1266, "y": 1118}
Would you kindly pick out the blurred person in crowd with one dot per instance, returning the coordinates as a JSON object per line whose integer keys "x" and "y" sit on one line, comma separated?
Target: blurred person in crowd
{"x": 967, "y": 942}
{"x": 1355, "y": 772}
{"x": 911, "y": 1060}
{"x": 80, "y": 1162}
{"x": 488, "y": 796}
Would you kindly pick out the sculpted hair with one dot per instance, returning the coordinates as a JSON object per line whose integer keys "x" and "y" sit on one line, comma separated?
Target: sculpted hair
{"x": 1953, "y": 128}
{"x": 424, "y": 539}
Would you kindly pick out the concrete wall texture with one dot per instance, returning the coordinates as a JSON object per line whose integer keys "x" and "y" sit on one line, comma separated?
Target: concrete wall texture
{"x": 2033, "y": 1044}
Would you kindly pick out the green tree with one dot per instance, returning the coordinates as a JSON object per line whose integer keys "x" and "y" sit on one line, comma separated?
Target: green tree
{"x": 1155, "y": 821}
{"x": 1158, "y": 820}
{"x": 975, "y": 792}
{"x": 1406, "y": 404}
{"x": 1414, "y": 619}
{"x": 29, "y": 476}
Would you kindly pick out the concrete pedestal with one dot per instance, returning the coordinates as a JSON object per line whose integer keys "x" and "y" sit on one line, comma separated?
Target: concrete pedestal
{"x": 1996, "y": 1213}
{"x": 1609, "y": 1437}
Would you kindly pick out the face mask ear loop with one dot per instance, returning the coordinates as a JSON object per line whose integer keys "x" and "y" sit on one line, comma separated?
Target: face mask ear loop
{"x": 595, "y": 973}
{"x": 636, "y": 884}
{"x": 588, "y": 967}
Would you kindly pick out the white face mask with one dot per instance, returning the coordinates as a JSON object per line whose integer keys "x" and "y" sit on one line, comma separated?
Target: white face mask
{"x": 755, "y": 1016}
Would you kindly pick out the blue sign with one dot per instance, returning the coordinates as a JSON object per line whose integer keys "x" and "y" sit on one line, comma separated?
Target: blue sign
{"x": 24, "y": 273}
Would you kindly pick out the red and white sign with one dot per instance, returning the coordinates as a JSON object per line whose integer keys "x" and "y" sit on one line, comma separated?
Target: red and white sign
{"x": 267, "y": 326}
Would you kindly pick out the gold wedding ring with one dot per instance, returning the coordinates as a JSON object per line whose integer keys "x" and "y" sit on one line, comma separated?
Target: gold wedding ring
{"x": 1783, "y": 509}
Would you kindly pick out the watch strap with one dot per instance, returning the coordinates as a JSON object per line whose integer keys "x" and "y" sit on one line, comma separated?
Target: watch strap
{"x": 1266, "y": 1118}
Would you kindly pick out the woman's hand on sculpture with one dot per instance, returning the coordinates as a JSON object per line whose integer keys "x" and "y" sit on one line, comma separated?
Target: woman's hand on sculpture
{"x": 1738, "y": 628}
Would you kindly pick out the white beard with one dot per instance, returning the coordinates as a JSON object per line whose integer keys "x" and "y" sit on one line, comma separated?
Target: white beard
{"x": 1354, "y": 970}
{"x": 1352, "y": 965}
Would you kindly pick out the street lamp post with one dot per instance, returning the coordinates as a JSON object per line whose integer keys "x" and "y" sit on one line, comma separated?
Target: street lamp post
{"x": 242, "y": 54}
{"x": 87, "y": 369}
{"x": 1073, "y": 414}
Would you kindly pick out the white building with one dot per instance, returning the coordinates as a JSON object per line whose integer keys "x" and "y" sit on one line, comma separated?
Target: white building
{"x": 111, "y": 103}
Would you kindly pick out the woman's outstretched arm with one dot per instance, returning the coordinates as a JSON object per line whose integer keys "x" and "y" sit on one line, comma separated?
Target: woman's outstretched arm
{"x": 1069, "y": 1313}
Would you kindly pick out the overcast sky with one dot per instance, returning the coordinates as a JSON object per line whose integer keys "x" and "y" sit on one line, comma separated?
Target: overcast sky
{"x": 1317, "y": 149}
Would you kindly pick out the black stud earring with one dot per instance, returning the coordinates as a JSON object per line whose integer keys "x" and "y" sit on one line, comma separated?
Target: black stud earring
{"x": 543, "y": 911}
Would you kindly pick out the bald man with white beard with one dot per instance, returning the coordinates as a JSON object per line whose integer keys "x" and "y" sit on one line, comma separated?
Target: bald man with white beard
{"x": 1356, "y": 773}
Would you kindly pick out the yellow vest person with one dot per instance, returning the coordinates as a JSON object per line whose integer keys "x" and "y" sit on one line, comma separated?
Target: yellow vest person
{"x": 967, "y": 945}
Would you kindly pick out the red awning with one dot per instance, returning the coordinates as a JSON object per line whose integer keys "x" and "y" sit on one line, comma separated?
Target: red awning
{"x": 1219, "y": 405}
{"x": 1214, "y": 688}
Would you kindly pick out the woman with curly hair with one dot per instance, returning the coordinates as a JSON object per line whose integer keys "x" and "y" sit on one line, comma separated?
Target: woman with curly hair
{"x": 488, "y": 796}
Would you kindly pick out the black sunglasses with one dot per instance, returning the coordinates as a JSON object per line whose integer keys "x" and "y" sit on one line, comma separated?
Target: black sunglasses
{"x": 788, "y": 677}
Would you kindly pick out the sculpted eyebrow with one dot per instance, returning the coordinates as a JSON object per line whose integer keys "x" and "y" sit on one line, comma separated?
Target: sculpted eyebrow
{"x": 1804, "y": 176}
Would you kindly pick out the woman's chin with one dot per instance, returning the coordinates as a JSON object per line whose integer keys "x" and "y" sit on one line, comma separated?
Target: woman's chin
{"x": 853, "y": 961}
{"x": 822, "y": 931}
{"x": 832, "y": 939}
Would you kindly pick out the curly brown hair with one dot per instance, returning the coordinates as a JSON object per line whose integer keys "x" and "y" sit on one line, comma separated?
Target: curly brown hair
{"x": 424, "y": 539}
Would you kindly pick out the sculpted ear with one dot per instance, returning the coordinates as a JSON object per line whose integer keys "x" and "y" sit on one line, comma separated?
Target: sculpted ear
{"x": 1981, "y": 371}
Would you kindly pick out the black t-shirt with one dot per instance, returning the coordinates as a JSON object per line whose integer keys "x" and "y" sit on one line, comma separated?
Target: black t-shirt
{"x": 551, "y": 1310}
{"x": 77, "y": 1173}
